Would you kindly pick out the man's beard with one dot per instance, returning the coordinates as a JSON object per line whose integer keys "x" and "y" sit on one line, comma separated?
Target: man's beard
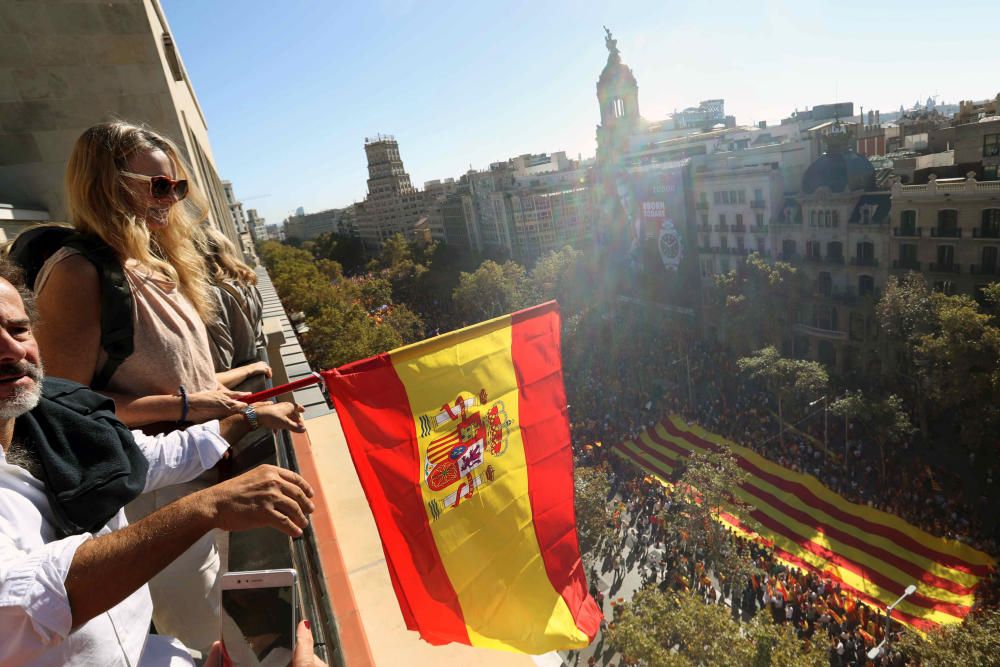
{"x": 24, "y": 398}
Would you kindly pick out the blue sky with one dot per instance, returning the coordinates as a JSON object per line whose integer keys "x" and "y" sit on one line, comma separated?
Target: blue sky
{"x": 292, "y": 88}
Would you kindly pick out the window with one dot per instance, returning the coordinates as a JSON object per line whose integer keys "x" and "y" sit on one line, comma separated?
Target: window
{"x": 743, "y": 196}
{"x": 825, "y": 283}
{"x": 866, "y": 252}
{"x": 739, "y": 219}
{"x": 835, "y": 251}
{"x": 825, "y": 353}
{"x": 945, "y": 257}
{"x": 989, "y": 228}
{"x": 908, "y": 223}
{"x": 813, "y": 249}
{"x": 617, "y": 107}
{"x": 866, "y": 285}
{"x": 170, "y": 55}
{"x": 760, "y": 219}
{"x": 836, "y": 218}
{"x": 758, "y": 194}
{"x": 856, "y": 326}
{"x": 989, "y": 260}
{"x": 788, "y": 249}
{"x": 722, "y": 220}
{"x": 741, "y": 247}
{"x": 908, "y": 256}
{"x": 827, "y": 218}
{"x": 947, "y": 223}
{"x": 761, "y": 246}
{"x": 812, "y": 218}
{"x": 724, "y": 242}
{"x": 717, "y": 197}
{"x": 704, "y": 219}
{"x": 991, "y": 145}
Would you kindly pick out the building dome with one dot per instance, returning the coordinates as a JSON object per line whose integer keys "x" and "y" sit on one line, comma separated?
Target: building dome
{"x": 840, "y": 169}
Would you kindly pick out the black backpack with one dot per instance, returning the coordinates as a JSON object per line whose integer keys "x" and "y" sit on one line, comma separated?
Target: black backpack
{"x": 33, "y": 247}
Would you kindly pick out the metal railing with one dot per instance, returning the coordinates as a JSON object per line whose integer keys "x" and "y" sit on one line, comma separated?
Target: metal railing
{"x": 908, "y": 231}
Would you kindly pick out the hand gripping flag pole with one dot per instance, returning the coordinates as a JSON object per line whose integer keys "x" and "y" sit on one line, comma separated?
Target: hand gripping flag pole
{"x": 268, "y": 394}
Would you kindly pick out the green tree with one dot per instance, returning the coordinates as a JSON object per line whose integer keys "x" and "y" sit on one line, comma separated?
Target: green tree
{"x": 975, "y": 641}
{"x": 793, "y": 381}
{"x": 677, "y": 629}
{"x": 707, "y": 482}
{"x": 758, "y": 300}
{"x": 345, "y": 250}
{"x": 591, "y": 489}
{"x": 883, "y": 420}
{"x": 558, "y": 275}
{"x": 490, "y": 291}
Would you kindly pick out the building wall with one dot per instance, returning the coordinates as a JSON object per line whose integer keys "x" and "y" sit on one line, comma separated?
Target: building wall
{"x": 309, "y": 226}
{"x": 66, "y": 66}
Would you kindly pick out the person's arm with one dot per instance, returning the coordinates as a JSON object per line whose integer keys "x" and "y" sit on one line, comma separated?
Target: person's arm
{"x": 69, "y": 327}
{"x": 237, "y": 376}
{"x": 180, "y": 456}
{"x": 137, "y": 411}
{"x": 107, "y": 569}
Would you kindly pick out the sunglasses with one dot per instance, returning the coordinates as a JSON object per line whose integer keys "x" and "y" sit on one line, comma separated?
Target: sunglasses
{"x": 161, "y": 187}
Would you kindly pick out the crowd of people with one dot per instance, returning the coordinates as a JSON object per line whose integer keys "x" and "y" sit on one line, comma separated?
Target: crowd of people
{"x": 115, "y": 500}
{"x": 642, "y": 376}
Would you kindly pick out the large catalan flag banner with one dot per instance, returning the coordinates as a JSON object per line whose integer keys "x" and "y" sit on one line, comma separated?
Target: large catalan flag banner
{"x": 872, "y": 554}
{"x": 461, "y": 443}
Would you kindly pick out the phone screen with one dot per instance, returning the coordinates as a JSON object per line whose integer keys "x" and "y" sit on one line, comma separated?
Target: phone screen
{"x": 258, "y": 625}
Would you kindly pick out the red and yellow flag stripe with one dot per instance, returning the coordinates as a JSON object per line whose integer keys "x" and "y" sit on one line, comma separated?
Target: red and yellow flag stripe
{"x": 871, "y": 553}
{"x": 486, "y": 556}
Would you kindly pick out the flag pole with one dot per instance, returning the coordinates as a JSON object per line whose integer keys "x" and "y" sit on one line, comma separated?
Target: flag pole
{"x": 267, "y": 394}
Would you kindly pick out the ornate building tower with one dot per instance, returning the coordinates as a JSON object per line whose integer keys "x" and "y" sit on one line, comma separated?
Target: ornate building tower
{"x": 618, "y": 95}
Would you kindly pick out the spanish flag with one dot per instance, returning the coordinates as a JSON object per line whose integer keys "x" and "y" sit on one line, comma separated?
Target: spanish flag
{"x": 872, "y": 555}
{"x": 462, "y": 446}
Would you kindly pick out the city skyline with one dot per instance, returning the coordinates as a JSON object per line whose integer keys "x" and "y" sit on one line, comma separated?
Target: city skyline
{"x": 532, "y": 89}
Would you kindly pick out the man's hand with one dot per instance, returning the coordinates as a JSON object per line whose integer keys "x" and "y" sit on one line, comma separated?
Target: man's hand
{"x": 216, "y": 404}
{"x": 303, "y": 656}
{"x": 278, "y": 416}
{"x": 264, "y": 496}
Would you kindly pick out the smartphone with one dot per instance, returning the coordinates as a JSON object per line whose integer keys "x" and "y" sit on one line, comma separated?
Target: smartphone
{"x": 258, "y": 618}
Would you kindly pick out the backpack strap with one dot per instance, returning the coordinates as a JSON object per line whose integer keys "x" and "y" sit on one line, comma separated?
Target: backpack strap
{"x": 116, "y": 304}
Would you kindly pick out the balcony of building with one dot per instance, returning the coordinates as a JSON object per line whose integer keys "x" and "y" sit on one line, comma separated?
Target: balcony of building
{"x": 759, "y": 204}
{"x": 864, "y": 261}
{"x": 984, "y": 269}
{"x": 985, "y": 233}
{"x": 944, "y": 267}
{"x": 738, "y": 229}
{"x": 758, "y": 229}
{"x": 906, "y": 231}
{"x": 720, "y": 227}
{"x": 946, "y": 232}
{"x": 701, "y": 205}
{"x": 906, "y": 265}
{"x": 704, "y": 228}
{"x": 819, "y": 332}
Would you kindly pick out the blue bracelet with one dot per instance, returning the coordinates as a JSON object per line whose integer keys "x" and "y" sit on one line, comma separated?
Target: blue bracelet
{"x": 184, "y": 403}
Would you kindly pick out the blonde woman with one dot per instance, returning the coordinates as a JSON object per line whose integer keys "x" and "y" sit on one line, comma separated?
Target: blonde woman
{"x": 129, "y": 186}
{"x": 237, "y": 331}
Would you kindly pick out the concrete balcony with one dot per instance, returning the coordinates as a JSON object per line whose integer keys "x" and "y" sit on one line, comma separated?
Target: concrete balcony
{"x": 819, "y": 332}
{"x": 944, "y": 268}
{"x": 946, "y": 233}
{"x": 905, "y": 265}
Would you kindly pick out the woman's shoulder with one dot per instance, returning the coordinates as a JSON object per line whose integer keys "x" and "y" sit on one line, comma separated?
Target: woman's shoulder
{"x": 65, "y": 262}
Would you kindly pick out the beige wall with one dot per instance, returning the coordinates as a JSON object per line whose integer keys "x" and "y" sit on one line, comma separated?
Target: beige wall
{"x": 65, "y": 66}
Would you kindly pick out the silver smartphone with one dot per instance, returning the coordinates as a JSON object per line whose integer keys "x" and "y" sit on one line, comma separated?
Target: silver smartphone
{"x": 258, "y": 618}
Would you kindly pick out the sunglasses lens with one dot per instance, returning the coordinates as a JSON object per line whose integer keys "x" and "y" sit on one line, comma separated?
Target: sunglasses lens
{"x": 159, "y": 187}
{"x": 181, "y": 189}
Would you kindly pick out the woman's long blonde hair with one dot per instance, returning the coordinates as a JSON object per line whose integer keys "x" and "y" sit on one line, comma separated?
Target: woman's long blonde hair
{"x": 98, "y": 200}
{"x": 224, "y": 261}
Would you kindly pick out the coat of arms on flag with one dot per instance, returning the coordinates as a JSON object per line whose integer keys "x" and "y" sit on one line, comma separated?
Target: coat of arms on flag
{"x": 461, "y": 443}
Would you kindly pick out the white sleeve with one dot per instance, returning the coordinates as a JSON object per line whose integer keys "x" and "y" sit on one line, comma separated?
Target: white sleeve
{"x": 34, "y": 606}
{"x": 182, "y": 455}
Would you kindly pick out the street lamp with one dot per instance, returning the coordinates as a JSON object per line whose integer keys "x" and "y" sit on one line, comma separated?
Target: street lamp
{"x": 826, "y": 423}
{"x": 876, "y": 651}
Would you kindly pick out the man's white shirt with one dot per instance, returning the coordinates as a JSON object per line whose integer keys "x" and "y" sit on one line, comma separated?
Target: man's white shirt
{"x": 35, "y": 616}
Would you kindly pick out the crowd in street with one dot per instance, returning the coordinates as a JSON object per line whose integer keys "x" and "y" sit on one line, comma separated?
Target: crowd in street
{"x": 641, "y": 376}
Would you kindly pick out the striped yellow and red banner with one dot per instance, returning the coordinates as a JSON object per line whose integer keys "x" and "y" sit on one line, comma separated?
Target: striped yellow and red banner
{"x": 462, "y": 446}
{"x": 872, "y": 554}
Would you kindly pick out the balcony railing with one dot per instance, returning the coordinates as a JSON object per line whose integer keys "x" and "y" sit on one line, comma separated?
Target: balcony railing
{"x": 864, "y": 261}
{"x": 738, "y": 229}
{"x": 701, "y": 205}
{"x": 908, "y": 231}
{"x": 980, "y": 233}
{"x": 937, "y": 267}
{"x": 758, "y": 203}
{"x": 834, "y": 259}
{"x": 789, "y": 257}
{"x": 946, "y": 233}
{"x": 758, "y": 229}
{"x": 719, "y": 227}
{"x": 906, "y": 264}
{"x": 704, "y": 228}
{"x": 984, "y": 269}
{"x": 815, "y": 259}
